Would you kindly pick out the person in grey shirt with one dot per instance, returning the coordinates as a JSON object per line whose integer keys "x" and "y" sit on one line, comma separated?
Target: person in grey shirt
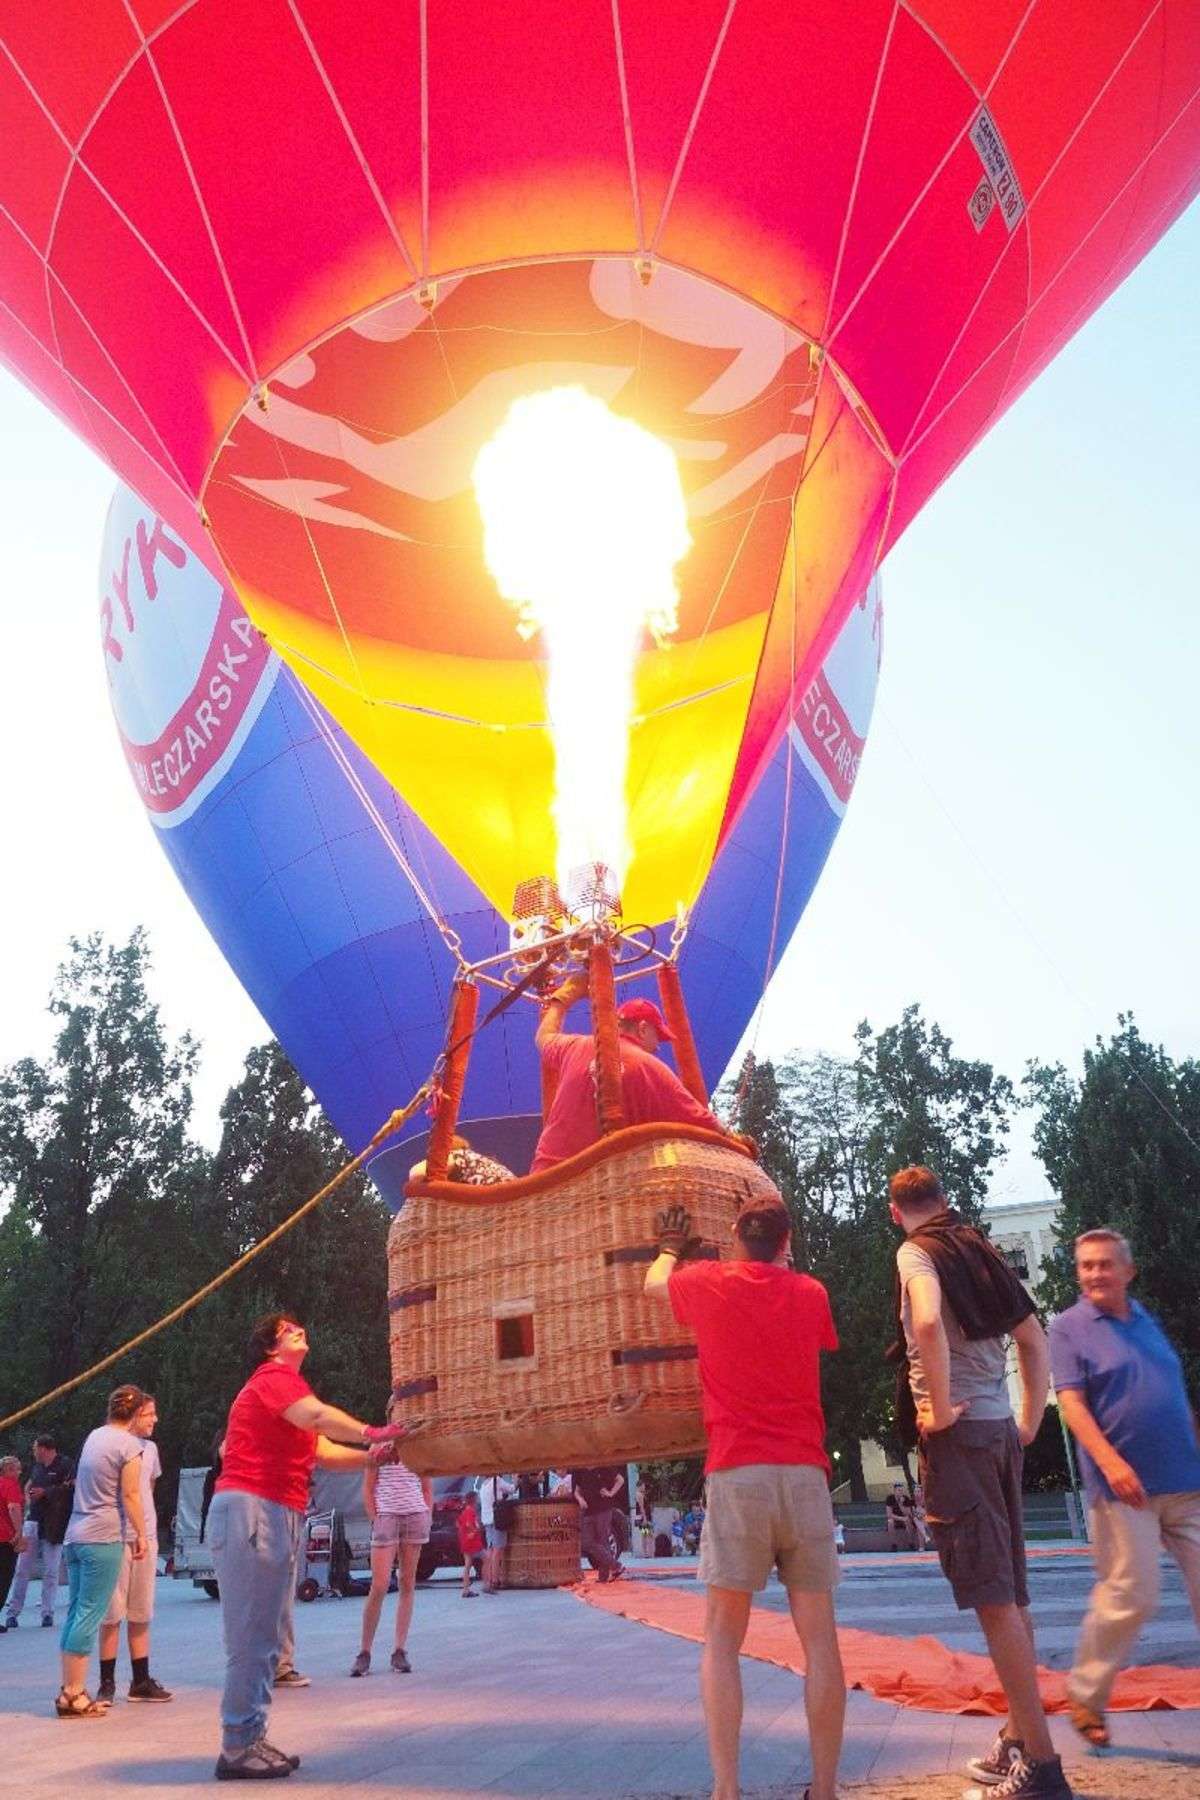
{"x": 958, "y": 1304}
{"x": 107, "y": 1494}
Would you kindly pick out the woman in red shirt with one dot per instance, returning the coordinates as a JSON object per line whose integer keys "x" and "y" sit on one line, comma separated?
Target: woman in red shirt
{"x": 277, "y": 1431}
{"x": 11, "y": 1515}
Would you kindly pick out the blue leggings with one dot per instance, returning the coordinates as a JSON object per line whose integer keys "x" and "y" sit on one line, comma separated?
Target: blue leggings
{"x": 92, "y": 1571}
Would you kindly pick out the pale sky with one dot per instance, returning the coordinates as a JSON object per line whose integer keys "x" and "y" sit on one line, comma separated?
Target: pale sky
{"x": 1020, "y": 855}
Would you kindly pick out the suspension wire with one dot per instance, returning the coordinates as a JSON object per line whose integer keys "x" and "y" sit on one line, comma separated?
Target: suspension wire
{"x": 391, "y": 1125}
{"x": 450, "y": 937}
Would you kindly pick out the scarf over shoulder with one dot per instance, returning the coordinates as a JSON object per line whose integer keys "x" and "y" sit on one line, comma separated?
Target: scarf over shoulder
{"x": 978, "y": 1286}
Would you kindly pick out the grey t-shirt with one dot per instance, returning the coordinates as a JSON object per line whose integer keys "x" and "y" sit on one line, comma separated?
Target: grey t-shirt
{"x": 148, "y": 1474}
{"x": 98, "y": 1516}
{"x": 977, "y": 1367}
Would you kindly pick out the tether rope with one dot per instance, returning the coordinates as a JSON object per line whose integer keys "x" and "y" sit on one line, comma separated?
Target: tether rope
{"x": 385, "y": 1131}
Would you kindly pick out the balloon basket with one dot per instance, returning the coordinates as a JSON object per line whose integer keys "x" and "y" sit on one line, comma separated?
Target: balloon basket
{"x": 520, "y": 1335}
{"x": 543, "y": 1545}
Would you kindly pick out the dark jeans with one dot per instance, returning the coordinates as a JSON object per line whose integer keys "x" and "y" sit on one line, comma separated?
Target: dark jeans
{"x": 595, "y": 1533}
{"x": 8, "y": 1562}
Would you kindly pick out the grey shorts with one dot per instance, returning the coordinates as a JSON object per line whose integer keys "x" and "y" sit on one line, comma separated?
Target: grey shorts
{"x": 769, "y": 1515}
{"x": 496, "y": 1539}
{"x": 389, "y": 1529}
{"x": 133, "y": 1596}
{"x": 971, "y": 1474}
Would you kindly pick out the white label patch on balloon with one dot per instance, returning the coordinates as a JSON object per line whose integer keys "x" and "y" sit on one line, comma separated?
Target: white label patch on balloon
{"x": 188, "y": 672}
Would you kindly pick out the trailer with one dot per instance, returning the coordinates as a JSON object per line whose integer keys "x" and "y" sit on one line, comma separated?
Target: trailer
{"x": 335, "y": 1520}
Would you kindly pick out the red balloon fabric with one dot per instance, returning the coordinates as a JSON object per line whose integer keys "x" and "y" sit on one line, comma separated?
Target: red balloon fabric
{"x": 280, "y": 260}
{"x": 920, "y": 1672}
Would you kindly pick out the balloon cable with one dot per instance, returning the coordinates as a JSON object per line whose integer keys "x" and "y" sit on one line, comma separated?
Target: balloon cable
{"x": 385, "y": 1131}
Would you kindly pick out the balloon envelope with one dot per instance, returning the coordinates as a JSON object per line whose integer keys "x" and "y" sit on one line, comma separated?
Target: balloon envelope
{"x": 290, "y": 260}
{"x": 317, "y": 879}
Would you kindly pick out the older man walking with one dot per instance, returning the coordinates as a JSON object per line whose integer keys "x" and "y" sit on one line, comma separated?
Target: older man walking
{"x": 1120, "y": 1385}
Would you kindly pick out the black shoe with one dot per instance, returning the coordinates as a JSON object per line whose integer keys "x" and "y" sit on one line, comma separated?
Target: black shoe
{"x": 993, "y": 1766}
{"x": 401, "y": 1663}
{"x": 149, "y": 1689}
{"x": 106, "y": 1690}
{"x": 260, "y": 1762}
{"x": 47, "y": 1620}
{"x": 1026, "y": 1780}
{"x": 10, "y": 1624}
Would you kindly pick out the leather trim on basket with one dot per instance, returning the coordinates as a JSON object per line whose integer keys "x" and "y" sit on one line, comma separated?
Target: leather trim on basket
{"x": 646, "y": 1253}
{"x": 413, "y": 1296}
{"x": 548, "y": 1181}
{"x": 408, "y": 1390}
{"x": 654, "y": 1353}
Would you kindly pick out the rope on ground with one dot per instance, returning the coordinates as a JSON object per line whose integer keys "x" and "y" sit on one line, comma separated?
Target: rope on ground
{"x": 385, "y": 1131}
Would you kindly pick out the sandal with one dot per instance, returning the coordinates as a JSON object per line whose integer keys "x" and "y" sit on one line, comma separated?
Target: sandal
{"x": 79, "y": 1705}
{"x": 1090, "y": 1726}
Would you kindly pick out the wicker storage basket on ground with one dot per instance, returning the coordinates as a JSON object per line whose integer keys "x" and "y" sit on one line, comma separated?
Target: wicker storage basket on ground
{"x": 519, "y": 1331}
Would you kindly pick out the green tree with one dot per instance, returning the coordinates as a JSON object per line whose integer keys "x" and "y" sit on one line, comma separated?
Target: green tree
{"x": 276, "y": 1150}
{"x": 98, "y": 1169}
{"x": 1121, "y": 1147}
{"x": 831, "y": 1131}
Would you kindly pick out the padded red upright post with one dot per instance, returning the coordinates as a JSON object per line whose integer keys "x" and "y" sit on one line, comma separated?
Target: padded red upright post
{"x": 464, "y": 1005}
{"x": 610, "y": 1103}
{"x": 670, "y": 991}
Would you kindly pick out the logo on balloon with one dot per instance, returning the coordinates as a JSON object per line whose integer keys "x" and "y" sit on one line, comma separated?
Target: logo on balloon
{"x": 188, "y": 672}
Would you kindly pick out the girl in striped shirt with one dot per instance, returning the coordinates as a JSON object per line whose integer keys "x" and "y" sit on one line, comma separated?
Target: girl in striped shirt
{"x": 399, "y": 1506}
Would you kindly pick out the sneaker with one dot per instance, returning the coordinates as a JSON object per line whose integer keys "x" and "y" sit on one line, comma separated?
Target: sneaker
{"x": 361, "y": 1663}
{"x": 616, "y": 1574}
{"x": 11, "y": 1623}
{"x": 106, "y": 1690}
{"x": 47, "y": 1620}
{"x": 292, "y": 1678}
{"x": 401, "y": 1663}
{"x": 993, "y": 1767}
{"x": 258, "y": 1762}
{"x": 1026, "y": 1781}
{"x": 149, "y": 1689}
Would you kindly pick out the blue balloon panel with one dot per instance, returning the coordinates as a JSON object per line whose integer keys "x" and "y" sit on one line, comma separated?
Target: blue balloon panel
{"x": 305, "y": 863}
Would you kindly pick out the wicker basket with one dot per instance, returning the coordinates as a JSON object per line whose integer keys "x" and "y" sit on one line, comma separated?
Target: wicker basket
{"x": 519, "y": 1331}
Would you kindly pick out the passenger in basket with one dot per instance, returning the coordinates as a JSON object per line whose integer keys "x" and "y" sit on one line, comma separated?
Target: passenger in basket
{"x": 760, "y": 1329}
{"x": 651, "y": 1091}
{"x": 469, "y": 1166}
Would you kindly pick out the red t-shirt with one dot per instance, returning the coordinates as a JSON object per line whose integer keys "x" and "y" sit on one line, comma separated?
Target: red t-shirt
{"x": 10, "y": 1495}
{"x": 470, "y": 1537}
{"x": 759, "y": 1329}
{"x": 265, "y": 1453}
{"x": 650, "y": 1091}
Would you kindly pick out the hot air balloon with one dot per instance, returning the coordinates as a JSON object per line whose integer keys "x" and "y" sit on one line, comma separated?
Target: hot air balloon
{"x": 293, "y": 267}
{"x": 329, "y": 897}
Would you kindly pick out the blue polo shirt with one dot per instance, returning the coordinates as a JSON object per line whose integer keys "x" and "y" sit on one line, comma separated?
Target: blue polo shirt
{"x": 1132, "y": 1382}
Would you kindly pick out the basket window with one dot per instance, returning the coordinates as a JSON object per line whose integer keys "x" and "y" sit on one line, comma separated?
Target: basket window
{"x": 514, "y": 1337}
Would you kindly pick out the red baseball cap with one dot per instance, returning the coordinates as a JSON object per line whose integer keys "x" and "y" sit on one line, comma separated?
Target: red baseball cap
{"x": 633, "y": 1010}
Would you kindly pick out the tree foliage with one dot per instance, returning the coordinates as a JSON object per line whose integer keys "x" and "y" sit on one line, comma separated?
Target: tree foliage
{"x": 115, "y": 1214}
{"x": 1121, "y": 1147}
{"x": 831, "y": 1131}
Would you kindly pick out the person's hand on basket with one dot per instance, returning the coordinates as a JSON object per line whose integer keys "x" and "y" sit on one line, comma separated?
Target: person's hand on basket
{"x": 674, "y": 1229}
{"x": 381, "y": 1441}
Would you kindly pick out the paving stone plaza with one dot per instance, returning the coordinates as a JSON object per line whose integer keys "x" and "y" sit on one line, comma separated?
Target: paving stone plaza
{"x": 530, "y": 1694}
